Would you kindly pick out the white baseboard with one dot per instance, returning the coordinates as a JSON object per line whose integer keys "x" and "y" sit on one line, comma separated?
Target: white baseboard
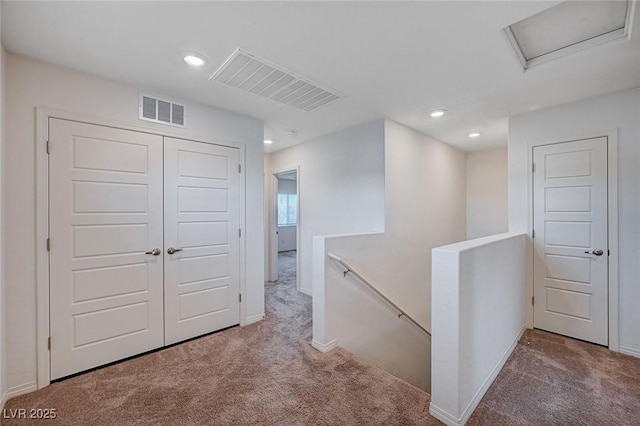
{"x": 254, "y": 318}
{"x": 324, "y": 347}
{"x": 451, "y": 420}
{"x": 20, "y": 390}
{"x": 627, "y": 350}
{"x": 492, "y": 376}
{"x": 305, "y": 291}
{"x": 443, "y": 416}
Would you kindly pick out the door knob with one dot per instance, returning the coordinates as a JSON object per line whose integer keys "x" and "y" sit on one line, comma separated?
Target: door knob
{"x": 156, "y": 252}
{"x": 172, "y": 250}
{"x": 597, "y": 252}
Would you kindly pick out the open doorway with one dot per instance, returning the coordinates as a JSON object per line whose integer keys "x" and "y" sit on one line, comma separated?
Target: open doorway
{"x": 286, "y": 226}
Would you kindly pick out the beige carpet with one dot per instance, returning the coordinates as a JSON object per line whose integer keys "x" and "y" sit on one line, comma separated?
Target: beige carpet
{"x": 267, "y": 374}
{"x": 287, "y": 266}
{"x": 263, "y": 374}
{"x": 556, "y": 380}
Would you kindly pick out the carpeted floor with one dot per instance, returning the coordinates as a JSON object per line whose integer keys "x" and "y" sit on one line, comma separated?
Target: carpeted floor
{"x": 268, "y": 374}
{"x": 263, "y": 374}
{"x": 555, "y": 380}
{"x": 287, "y": 266}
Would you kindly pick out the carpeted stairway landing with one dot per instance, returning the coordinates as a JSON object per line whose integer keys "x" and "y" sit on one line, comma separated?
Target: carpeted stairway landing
{"x": 263, "y": 374}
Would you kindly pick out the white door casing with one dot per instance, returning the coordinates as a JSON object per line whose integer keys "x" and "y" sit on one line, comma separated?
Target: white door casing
{"x": 570, "y": 222}
{"x": 105, "y": 211}
{"x": 201, "y": 210}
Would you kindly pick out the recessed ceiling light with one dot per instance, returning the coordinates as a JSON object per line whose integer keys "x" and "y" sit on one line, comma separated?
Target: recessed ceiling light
{"x": 194, "y": 60}
{"x": 474, "y": 135}
{"x": 437, "y": 113}
{"x": 267, "y": 141}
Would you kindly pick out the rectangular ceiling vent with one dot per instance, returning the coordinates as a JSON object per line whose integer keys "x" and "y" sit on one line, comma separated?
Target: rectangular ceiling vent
{"x": 568, "y": 28}
{"x": 161, "y": 111}
{"x": 247, "y": 72}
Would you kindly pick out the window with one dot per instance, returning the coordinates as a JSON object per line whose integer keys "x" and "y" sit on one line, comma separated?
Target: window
{"x": 287, "y": 209}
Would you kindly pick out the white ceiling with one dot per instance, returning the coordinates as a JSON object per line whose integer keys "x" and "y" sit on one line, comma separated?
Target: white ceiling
{"x": 393, "y": 59}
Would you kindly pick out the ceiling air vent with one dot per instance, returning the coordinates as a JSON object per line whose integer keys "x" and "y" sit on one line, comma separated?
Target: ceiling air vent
{"x": 161, "y": 111}
{"x": 569, "y": 27}
{"x": 247, "y": 72}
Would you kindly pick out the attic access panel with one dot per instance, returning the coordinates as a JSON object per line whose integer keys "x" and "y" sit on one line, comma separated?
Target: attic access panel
{"x": 569, "y": 27}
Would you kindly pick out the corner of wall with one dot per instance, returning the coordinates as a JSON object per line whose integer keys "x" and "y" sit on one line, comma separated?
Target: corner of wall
{"x": 3, "y": 334}
{"x": 317, "y": 279}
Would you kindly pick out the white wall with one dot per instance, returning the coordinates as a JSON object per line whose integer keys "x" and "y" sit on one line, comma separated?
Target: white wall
{"x": 287, "y": 235}
{"x": 3, "y": 332}
{"x": 424, "y": 208}
{"x": 268, "y": 217}
{"x": 31, "y": 84}
{"x": 479, "y": 313}
{"x": 487, "y": 195}
{"x": 349, "y": 315}
{"x": 287, "y": 238}
{"x": 619, "y": 112}
{"x": 341, "y": 181}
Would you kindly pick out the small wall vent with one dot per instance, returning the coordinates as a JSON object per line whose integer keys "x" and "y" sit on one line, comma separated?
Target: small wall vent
{"x": 161, "y": 111}
{"x": 245, "y": 71}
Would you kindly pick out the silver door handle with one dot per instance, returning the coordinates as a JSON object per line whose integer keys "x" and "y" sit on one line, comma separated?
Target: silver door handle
{"x": 172, "y": 250}
{"x": 597, "y": 252}
{"x": 156, "y": 252}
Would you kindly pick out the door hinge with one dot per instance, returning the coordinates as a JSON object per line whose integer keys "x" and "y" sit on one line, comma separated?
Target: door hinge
{"x": 533, "y": 300}
{"x": 48, "y": 244}
{"x": 239, "y": 232}
{"x": 48, "y": 151}
{"x": 533, "y": 233}
{"x": 608, "y": 252}
{"x": 49, "y": 343}
{"x": 533, "y": 167}
{"x": 239, "y": 168}
{"x": 240, "y": 298}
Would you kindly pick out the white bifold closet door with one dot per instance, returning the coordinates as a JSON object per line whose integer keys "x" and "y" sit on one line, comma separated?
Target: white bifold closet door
{"x": 201, "y": 213}
{"x": 115, "y": 217}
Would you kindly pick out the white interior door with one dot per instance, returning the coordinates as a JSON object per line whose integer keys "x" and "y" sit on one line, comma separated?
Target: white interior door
{"x": 105, "y": 214}
{"x": 571, "y": 241}
{"x": 201, "y": 207}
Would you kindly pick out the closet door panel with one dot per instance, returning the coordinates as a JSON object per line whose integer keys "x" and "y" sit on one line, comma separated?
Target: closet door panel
{"x": 106, "y": 292}
{"x": 202, "y": 210}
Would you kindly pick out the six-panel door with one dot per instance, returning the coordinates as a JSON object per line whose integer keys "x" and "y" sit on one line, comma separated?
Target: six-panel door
{"x": 571, "y": 253}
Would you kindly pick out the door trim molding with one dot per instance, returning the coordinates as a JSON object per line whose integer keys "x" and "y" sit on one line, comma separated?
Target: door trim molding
{"x": 272, "y": 262}
{"x": 612, "y": 230}
{"x": 612, "y": 204}
{"x": 43, "y": 366}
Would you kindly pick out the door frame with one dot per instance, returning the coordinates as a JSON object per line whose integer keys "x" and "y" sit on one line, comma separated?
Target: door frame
{"x": 612, "y": 229}
{"x": 273, "y": 227}
{"x": 43, "y": 365}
